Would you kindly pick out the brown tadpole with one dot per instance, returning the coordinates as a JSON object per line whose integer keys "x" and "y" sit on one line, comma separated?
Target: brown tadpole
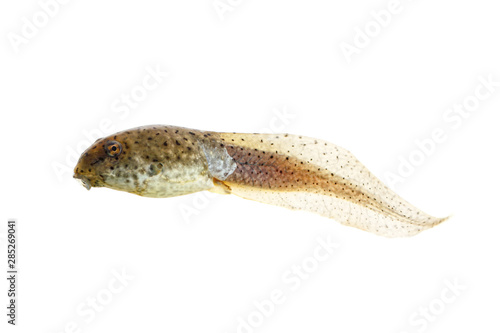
{"x": 291, "y": 171}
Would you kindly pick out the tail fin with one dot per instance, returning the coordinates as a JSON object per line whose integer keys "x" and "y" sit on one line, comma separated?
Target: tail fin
{"x": 304, "y": 173}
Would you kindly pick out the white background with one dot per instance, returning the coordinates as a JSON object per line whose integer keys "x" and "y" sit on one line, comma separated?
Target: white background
{"x": 200, "y": 272}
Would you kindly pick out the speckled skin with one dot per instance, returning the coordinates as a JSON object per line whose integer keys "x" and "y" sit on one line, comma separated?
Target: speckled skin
{"x": 285, "y": 170}
{"x": 156, "y": 161}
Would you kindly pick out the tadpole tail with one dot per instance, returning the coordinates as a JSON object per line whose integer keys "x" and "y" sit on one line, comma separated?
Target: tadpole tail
{"x": 304, "y": 173}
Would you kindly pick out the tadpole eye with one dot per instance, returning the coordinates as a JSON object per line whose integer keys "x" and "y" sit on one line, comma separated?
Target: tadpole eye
{"x": 113, "y": 148}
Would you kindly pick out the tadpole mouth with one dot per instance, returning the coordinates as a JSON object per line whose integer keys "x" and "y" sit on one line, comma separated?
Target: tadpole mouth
{"x": 83, "y": 180}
